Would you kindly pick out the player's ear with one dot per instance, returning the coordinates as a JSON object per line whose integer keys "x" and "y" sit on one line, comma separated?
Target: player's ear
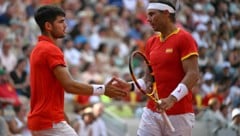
{"x": 48, "y": 26}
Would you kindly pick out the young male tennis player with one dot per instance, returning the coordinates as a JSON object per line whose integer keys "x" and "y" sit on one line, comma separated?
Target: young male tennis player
{"x": 50, "y": 77}
{"x": 173, "y": 56}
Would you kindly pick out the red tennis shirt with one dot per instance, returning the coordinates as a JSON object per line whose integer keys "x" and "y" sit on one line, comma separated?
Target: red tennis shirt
{"x": 166, "y": 60}
{"x": 47, "y": 95}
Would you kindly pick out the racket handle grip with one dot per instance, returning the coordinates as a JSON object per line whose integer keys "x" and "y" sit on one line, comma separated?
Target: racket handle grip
{"x": 166, "y": 119}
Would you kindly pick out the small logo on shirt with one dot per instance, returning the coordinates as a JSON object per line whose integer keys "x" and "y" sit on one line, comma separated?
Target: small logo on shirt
{"x": 169, "y": 50}
{"x": 100, "y": 88}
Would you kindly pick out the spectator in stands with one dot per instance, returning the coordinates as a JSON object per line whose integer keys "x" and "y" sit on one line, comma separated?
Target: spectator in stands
{"x": 18, "y": 123}
{"x": 31, "y": 8}
{"x": 234, "y": 57}
{"x": 87, "y": 53}
{"x": 224, "y": 113}
{"x": 97, "y": 37}
{"x": 27, "y": 49}
{"x": 90, "y": 73}
{"x": 20, "y": 78}
{"x": 4, "y": 129}
{"x": 7, "y": 58}
{"x": 121, "y": 109}
{"x": 224, "y": 73}
{"x": 3, "y": 32}
{"x": 71, "y": 54}
{"x": 84, "y": 124}
{"x": 77, "y": 35}
{"x": 235, "y": 123}
{"x": 199, "y": 15}
{"x": 7, "y": 91}
{"x": 98, "y": 127}
{"x": 7, "y": 15}
{"x": 135, "y": 30}
{"x": 218, "y": 58}
{"x": 223, "y": 40}
{"x": 203, "y": 59}
{"x": 234, "y": 42}
{"x": 212, "y": 115}
{"x": 116, "y": 58}
{"x": 103, "y": 57}
{"x": 200, "y": 35}
{"x": 234, "y": 94}
{"x": 208, "y": 86}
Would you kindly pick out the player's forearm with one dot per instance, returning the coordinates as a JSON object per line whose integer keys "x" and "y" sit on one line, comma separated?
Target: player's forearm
{"x": 185, "y": 85}
{"x": 191, "y": 78}
{"x": 79, "y": 88}
{"x": 76, "y": 87}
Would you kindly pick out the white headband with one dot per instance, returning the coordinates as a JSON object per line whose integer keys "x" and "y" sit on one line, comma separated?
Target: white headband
{"x": 161, "y": 6}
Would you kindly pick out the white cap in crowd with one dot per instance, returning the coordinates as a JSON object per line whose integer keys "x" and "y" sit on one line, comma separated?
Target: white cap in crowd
{"x": 207, "y": 76}
{"x": 201, "y": 27}
{"x": 235, "y": 112}
{"x": 226, "y": 65}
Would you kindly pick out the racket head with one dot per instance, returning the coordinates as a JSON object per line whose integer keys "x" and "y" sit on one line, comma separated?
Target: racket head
{"x": 140, "y": 68}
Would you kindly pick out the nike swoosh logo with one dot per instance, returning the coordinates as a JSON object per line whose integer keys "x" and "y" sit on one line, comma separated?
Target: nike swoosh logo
{"x": 100, "y": 88}
{"x": 179, "y": 90}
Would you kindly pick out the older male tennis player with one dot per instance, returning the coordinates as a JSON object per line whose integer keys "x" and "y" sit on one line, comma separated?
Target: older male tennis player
{"x": 173, "y": 56}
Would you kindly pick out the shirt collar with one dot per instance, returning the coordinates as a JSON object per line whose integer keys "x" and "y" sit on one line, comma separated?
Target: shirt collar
{"x": 174, "y": 32}
{"x": 45, "y": 38}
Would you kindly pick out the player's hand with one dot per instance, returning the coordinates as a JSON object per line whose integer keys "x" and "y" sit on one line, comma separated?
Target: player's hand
{"x": 121, "y": 84}
{"x": 166, "y": 103}
{"x": 116, "y": 88}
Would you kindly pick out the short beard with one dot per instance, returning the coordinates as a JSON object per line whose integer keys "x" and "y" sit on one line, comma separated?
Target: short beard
{"x": 57, "y": 36}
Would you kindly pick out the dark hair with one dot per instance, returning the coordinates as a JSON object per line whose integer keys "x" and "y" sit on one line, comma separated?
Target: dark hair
{"x": 47, "y": 13}
{"x": 17, "y": 108}
{"x": 19, "y": 61}
{"x": 25, "y": 47}
{"x": 172, "y": 17}
{"x": 223, "y": 106}
{"x": 101, "y": 47}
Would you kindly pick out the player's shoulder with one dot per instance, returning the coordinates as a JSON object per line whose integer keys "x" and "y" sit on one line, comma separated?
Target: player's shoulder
{"x": 44, "y": 48}
{"x": 46, "y": 45}
{"x": 184, "y": 32}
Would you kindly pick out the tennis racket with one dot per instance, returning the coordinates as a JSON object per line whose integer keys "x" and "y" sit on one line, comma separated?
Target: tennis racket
{"x": 140, "y": 68}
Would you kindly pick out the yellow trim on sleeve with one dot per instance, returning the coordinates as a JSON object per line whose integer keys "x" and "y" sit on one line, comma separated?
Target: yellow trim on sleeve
{"x": 185, "y": 57}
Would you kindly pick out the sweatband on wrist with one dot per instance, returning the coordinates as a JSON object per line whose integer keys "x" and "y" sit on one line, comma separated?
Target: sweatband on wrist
{"x": 98, "y": 89}
{"x": 180, "y": 91}
{"x": 141, "y": 83}
{"x": 161, "y": 7}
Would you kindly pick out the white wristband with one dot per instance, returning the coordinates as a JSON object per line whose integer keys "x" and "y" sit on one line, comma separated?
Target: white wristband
{"x": 98, "y": 89}
{"x": 142, "y": 84}
{"x": 180, "y": 91}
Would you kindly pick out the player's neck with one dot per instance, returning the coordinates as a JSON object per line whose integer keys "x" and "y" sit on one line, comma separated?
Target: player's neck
{"x": 170, "y": 29}
{"x": 54, "y": 40}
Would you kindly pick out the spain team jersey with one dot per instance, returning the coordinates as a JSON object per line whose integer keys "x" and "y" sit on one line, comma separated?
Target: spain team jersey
{"x": 47, "y": 95}
{"x": 166, "y": 58}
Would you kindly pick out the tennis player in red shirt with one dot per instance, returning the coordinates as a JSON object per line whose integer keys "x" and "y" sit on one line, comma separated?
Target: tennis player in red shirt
{"x": 50, "y": 77}
{"x": 173, "y": 56}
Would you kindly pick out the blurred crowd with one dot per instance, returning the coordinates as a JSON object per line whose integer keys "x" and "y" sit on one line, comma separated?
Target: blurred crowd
{"x": 100, "y": 36}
